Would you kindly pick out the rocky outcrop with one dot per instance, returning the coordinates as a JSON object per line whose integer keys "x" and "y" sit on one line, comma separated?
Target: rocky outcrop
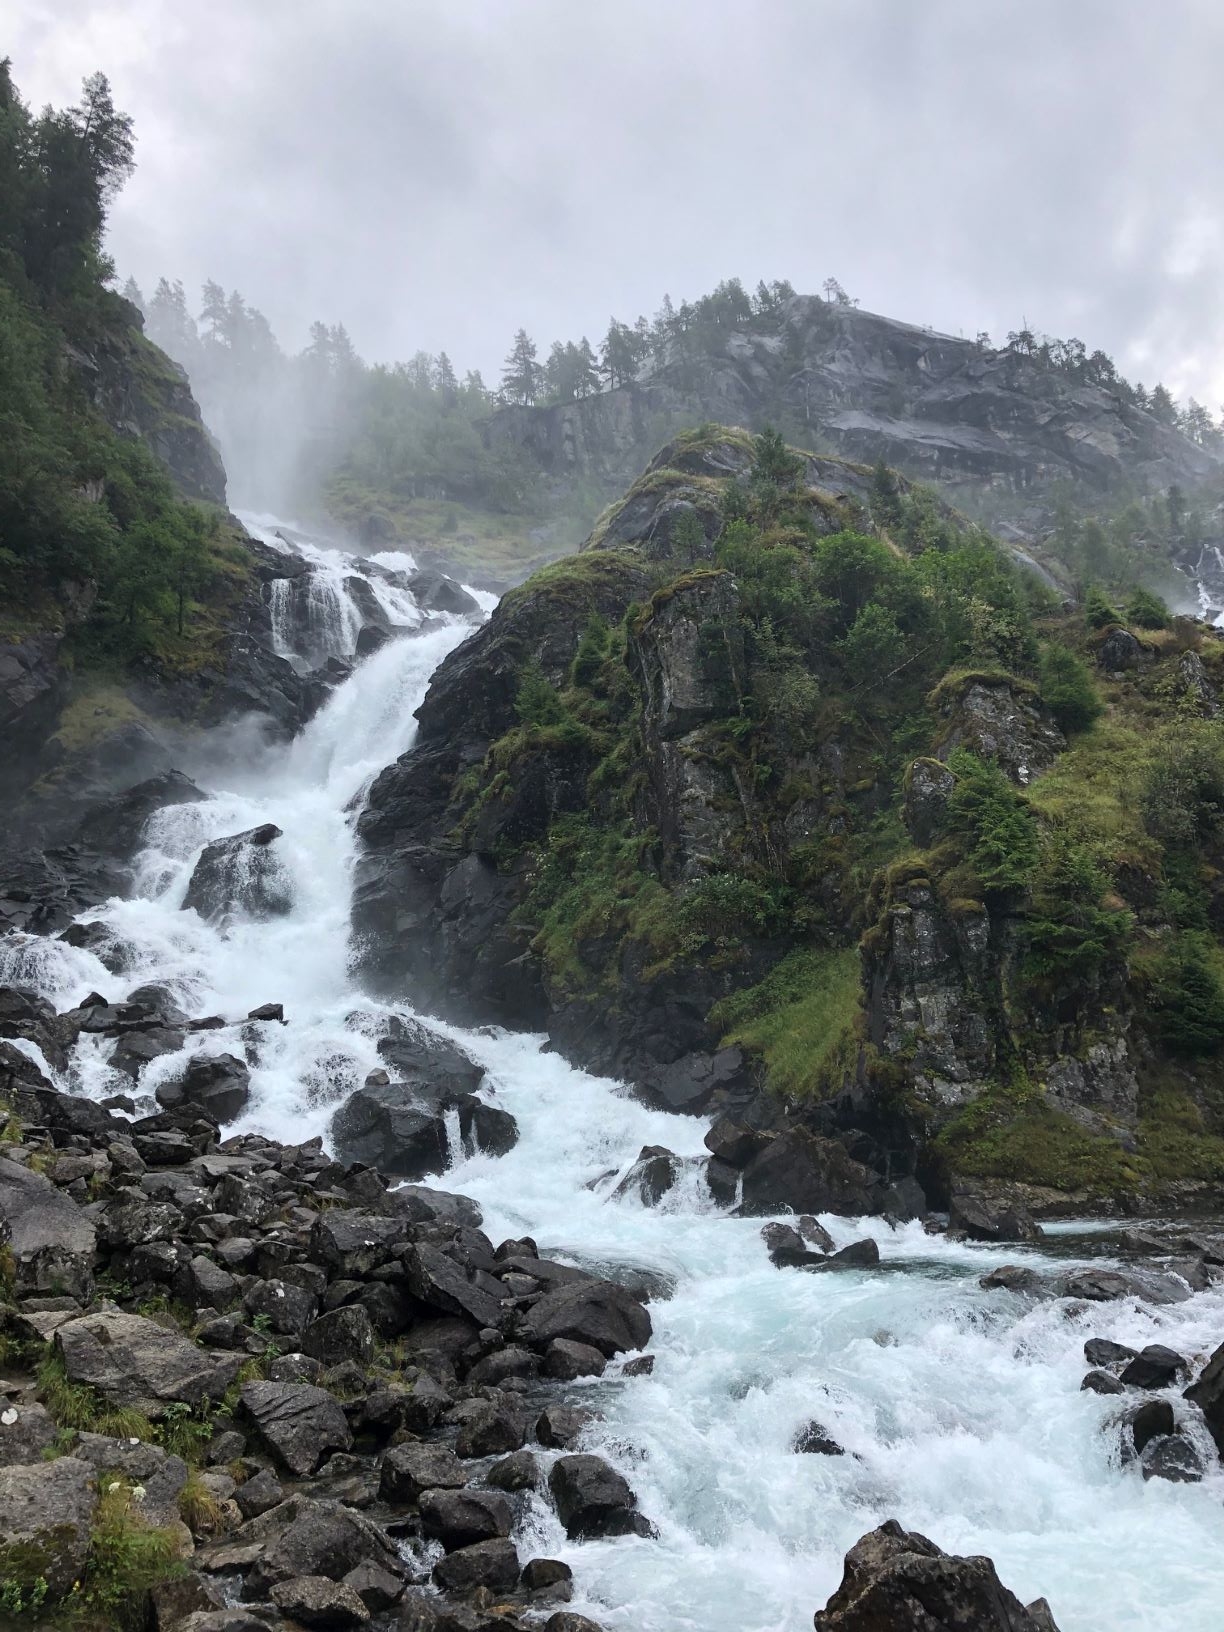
{"x": 898, "y": 1579}
{"x": 997, "y": 718}
{"x": 240, "y": 873}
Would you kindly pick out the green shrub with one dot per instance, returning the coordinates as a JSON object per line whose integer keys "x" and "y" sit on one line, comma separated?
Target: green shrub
{"x": 802, "y": 1019}
{"x": 127, "y": 1558}
{"x": 591, "y": 653}
{"x": 1147, "y": 611}
{"x": 1067, "y": 689}
{"x": 1071, "y": 931}
{"x": 1000, "y": 829}
{"x": 538, "y": 701}
{"x": 1188, "y": 998}
{"x": 1098, "y": 613}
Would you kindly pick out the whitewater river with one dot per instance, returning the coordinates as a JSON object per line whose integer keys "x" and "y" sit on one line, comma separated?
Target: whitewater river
{"x": 960, "y": 1411}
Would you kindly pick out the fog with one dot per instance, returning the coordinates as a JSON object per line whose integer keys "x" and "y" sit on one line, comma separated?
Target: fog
{"x": 435, "y": 176}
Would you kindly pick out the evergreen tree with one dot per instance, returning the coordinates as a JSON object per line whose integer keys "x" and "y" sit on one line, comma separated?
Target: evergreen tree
{"x": 214, "y": 314}
{"x": 521, "y": 374}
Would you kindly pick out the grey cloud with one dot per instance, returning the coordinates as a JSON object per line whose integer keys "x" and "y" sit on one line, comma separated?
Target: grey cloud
{"x": 434, "y": 175}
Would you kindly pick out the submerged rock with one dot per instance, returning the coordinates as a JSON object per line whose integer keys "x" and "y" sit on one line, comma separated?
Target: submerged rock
{"x": 240, "y": 874}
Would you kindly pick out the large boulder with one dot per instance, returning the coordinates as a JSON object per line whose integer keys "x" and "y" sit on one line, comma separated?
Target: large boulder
{"x": 805, "y": 1173}
{"x": 220, "y": 1084}
{"x": 897, "y": 1581}
{"x": 240, "y": 874}
{"x": 314, "y": 1601}
{"x": 983, "y": 1216}
{"x": 300, "y": 1424}
{"x": 135, "y": 1362}
{"x": 51, "y": 1240}
{"x": 45, "y": 1513}
{"x": 461, "y": 1518}
{"x": 593, "y": 1500}
{"x": 598, "y": 1313}
{"x": 1207, "y": 1392}
{"x": 652, "y": 1175}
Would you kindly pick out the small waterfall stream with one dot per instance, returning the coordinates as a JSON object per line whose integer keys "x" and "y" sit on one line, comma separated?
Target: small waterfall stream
{"x": 960, "y": 1411}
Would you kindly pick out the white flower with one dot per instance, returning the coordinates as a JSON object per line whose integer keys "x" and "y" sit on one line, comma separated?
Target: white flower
{"x": 138, "y": 1493}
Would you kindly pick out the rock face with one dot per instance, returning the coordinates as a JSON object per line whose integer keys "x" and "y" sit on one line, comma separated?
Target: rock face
{"x": 45, "y": 1514}
{"x": 133, "y": 1361}
{"x": 931, "y": 405}
{"x": 897, "y": 1580}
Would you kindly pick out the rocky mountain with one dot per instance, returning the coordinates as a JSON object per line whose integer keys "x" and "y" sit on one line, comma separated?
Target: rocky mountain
{"x": 994, "y": 425}
{"x": 790, "y": 795}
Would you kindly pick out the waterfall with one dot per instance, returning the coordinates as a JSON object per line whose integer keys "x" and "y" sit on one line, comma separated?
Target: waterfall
{"x": 959, "y": 1411}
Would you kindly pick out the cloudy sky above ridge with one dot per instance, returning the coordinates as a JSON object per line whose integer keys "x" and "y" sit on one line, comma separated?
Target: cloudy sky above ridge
{"x": 434, "y": 173}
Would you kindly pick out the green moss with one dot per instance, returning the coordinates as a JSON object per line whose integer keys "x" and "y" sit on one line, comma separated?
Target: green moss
{"x": 1009, "y": 1132}
{"x": 802, "y": 1020}
{"x": 953, "y": 686}
{"x": 1173, "y": 1140}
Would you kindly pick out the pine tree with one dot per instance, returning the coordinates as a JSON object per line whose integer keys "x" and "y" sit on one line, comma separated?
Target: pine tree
{"x": 521, "y": 375}
{"x": 214, "y": 313}
{"x": 131, "y": 292}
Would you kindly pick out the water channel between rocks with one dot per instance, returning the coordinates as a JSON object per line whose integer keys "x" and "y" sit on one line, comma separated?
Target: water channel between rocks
{"x": 959, "y": 1410}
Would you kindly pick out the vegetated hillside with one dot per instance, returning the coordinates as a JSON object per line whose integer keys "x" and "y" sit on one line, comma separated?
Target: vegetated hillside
{"x": 127, "y": 592}
{"x": 792, "y": 781}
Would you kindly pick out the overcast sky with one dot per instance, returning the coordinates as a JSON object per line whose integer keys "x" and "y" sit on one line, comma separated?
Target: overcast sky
{"x": 435, "y": 173}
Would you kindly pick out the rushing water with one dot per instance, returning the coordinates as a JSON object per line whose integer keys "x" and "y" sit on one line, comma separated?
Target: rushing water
{"x": 960, "y": 1411}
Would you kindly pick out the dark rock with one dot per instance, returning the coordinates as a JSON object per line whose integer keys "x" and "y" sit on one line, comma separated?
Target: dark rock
{"x": 928, "y": 787}
{"x": 220, "y": 1084}
{"x": 288, "y": 1309}
{"x": 598, "y": 1313}
{"x": 815, "y": 1440}
{"x": 377, "y": 1588}
{"x": 734, "y": 1143}
{"x": 723, "y": 1181}
{"x": 1174, "y": 1459}
{"x": 409, "y": 1470}
{"x": 1120, "y": 650}
{"x": 344, "y": 1334}
{"x": 640, "y": 1366}
{"x": 490, "y": 1430}
{"x": 52, "y": 1242}
{"x": 984, "y": 1217}
{"x": 322, "y": 1538}
{"x": 808, "y": 1174}
{"x": 314, "y": 1601}
{"x": 134, "y": 1050}
{"x": 566, "y": 1360}
{"x": 268, "y": 1011}
{"x": 493, "y": 1564}
{"x": 26, "y": 1431}
{"x": 1152, "y": 1419}
{"x": 593, "y": 1500}
{"x": 545, "y": 1574}
{"x": 240, "y": 874}
{"x": 1154, "y": 1367}
{"x": 299, "y": 1423}
{"x": 1102, "y": 1351}
{"x": 439, "y": 1282}
{"x": 519, "y": 1471}
{"x": 652, "y": 1175}
{"x": 864, "y": 1254}
{"x": 559, "y": 1426}
{"x": 1207, "y": 1392}
{"x": 259, "y": 1494}
{"x": 1102, "y": 1382}
{"x": 897, "y": 1581}
{"x": 503, "y": 1363}
{"x": 1012, "y": 1278}
{"x": 460, "y": 1518}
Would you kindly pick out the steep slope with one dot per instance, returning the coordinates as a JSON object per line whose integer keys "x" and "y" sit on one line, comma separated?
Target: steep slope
{"x": 798, "y": 799}
{"x": 995, "y": 424}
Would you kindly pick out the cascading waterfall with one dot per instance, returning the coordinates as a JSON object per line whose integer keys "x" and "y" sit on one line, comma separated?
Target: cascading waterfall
{"x": 959, "y": 1411}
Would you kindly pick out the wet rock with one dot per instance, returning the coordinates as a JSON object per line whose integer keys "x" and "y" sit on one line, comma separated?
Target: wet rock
{"x": 723, "y": 1181}
{"x": 734, "y": 1142}
{"x": 815, "y": 1440}
{"x": 1207, "y": 1392}
{"x": 642, "y": 1365}
{"x": 598, "y": 1313}
{"x": 51, "y": 1240}
{"x": 300, "y": 1424}
{"x": 460, "y": 1518}
{"x": 1107, "y": 1286}
{"x": 1152, "y": 1419}
{"x": 259, "y": 1494}
{"x": 518, "y": 1471}
{"x": 558, "y": 1426}
{"x": 134, "y": 1051}
{"x": 382, "y": 1125}
{"x": 805, "y": 1173}
{"x": 314, "y": 1601}
{"x": 45, "y": 1514}
{"x": 566, "y": 1360}
{"x": 787, "y": 1248}
{"x": 1154, "y": 1367}
{"x": 322, "y": 1538}
{"x": 593, "y": 1500}
{"x": 410, "y": 1470}
{"x": 1103, "y": 1351}
{"x": 900, "y": 1581}
{"x": 493, "y": 1564}
{"x": 1174, "y": 1459}
{"x": 377, "y": 1588}
{"x": 1012, "y": 1278}
{"x": 271, "y": 1012}
{"x": 220, "y": 1084}
{"x": 1101, "y": 1382}
{"x": 652, "y": 1175}
{"x": 240, "y": 874}
{"x": 134, "y": 1361}
{"x": 983, "y": 1217}
{"x": 546, "y": 1575}
{"x": 503, "y": 1363}
{"x": 864, "y": 1254}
